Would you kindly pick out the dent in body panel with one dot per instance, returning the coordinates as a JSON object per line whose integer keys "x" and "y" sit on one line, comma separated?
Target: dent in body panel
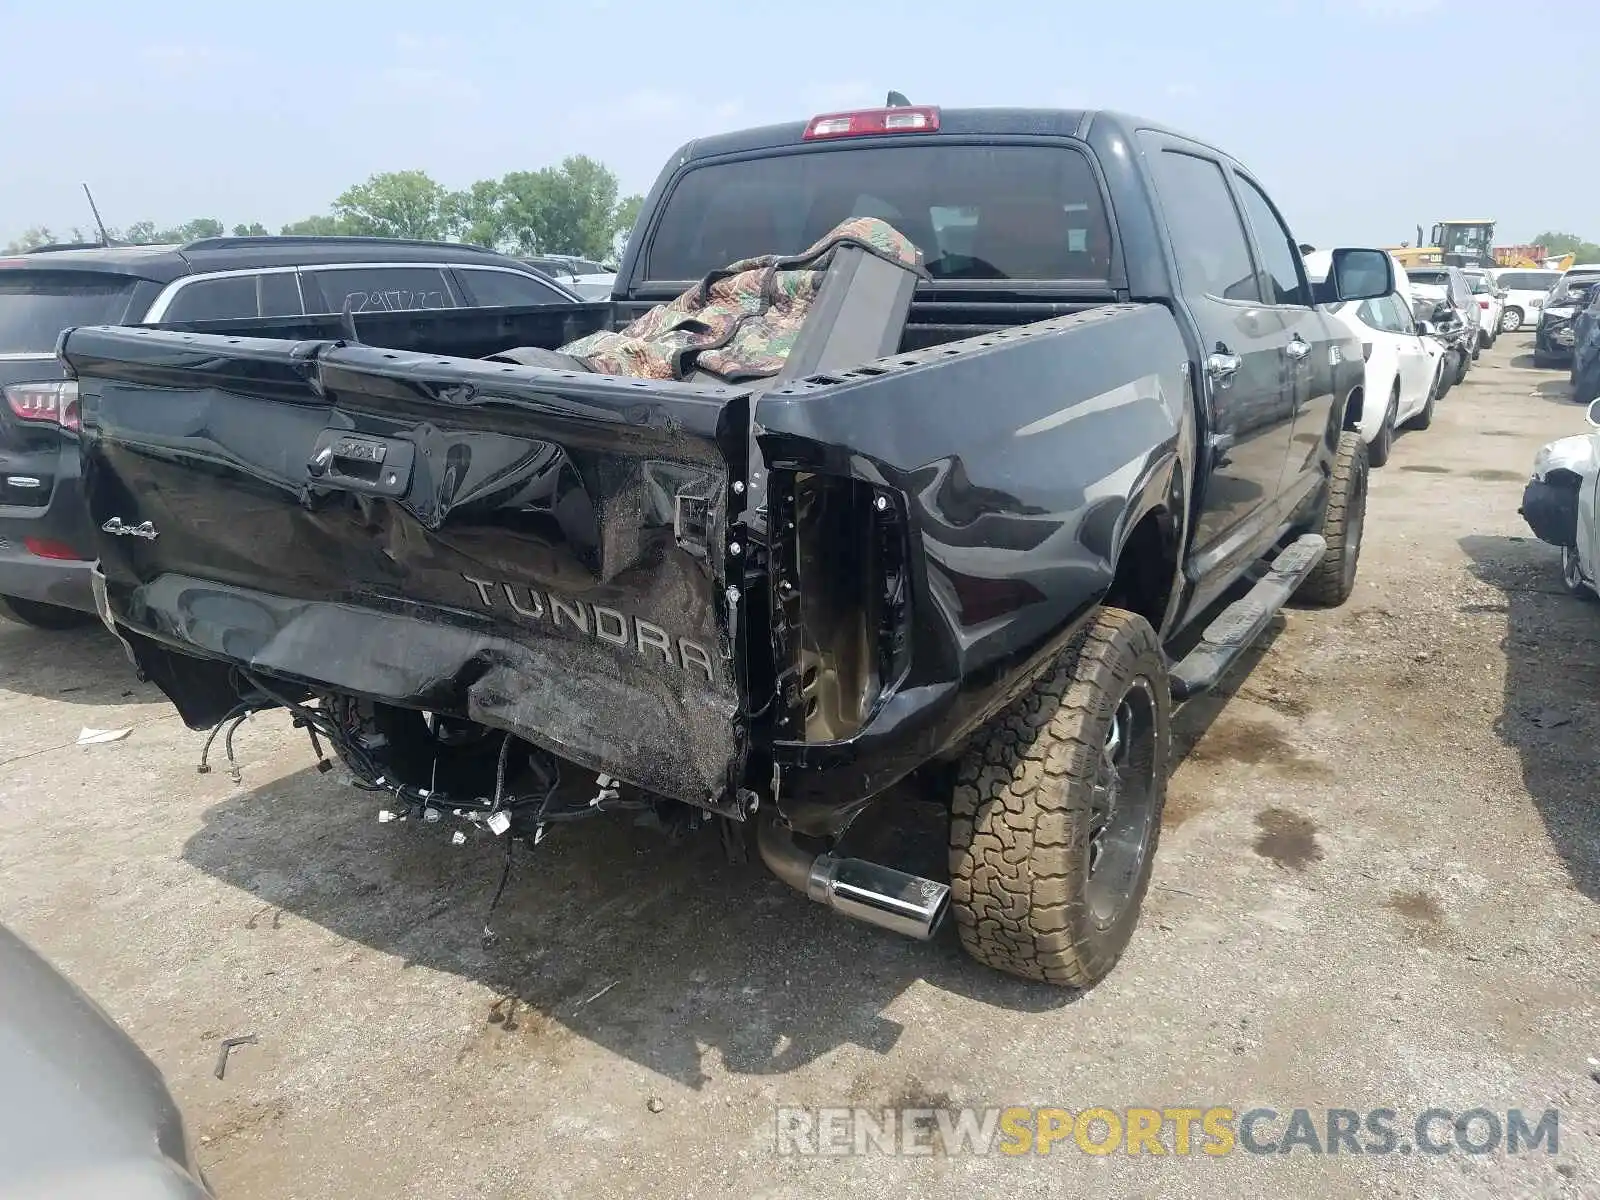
{"x": 533, "y": 574}
{"x": 1025, "y": 463}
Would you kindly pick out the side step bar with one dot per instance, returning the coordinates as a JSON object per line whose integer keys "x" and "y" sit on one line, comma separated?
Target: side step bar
{"x": 1246, "y": 619}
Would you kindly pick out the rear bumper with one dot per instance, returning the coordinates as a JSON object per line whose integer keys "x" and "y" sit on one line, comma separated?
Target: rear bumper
{"x": 46, "y": 580}
{"x": 188, "y": 634}
{"x": 63, "y": 521}
{"x": 1551, "y": 512}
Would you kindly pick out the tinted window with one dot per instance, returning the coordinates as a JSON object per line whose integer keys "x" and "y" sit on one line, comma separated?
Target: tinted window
{"x": 1404, "y": 320}
{"x": 1280, "y": 258}
{"x": 1015, "y": 212}
{"x": 278, "y": 294}
{"x": 35, "y": 306}
{"x": 1213, "y": 256}
{"x": 271, "y": 294}
{"x": 508, "y": 288}
{"x": 376, "y": 289}
{"x": 1429, "y": 278}
{"x": 1572, "y": 287}
{"x": 1478, "y": 284}
{"x": 551, "y": 267}
{"x": 1388, "y": 313}
{"x": 1526, "y": 281}
{"x": 584, "y": 267}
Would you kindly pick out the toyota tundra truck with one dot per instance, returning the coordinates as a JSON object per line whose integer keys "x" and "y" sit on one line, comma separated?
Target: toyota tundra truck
{"x": 985, "y": 542}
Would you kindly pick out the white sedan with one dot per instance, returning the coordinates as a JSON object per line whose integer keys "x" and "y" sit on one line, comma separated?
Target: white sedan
{"x": 1404, "y": 364}
{"x": 1560, "y": 504}
{"x": 1491, "y": 305}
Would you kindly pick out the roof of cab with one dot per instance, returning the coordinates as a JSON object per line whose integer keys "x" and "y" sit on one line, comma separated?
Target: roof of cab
{"x": 962, "y": 122}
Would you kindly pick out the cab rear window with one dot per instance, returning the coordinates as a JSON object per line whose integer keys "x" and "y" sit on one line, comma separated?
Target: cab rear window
{"x": 975, "y": 212}
{"x": 35, "y": 306}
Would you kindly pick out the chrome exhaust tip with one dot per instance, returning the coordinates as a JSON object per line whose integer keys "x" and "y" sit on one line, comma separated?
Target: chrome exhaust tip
{"x": 894, "y": 900}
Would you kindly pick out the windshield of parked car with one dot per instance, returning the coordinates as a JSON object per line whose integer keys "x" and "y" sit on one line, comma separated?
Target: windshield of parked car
{"x": 35, "y": 306}
{"x": 1573, "y": 289}
{"x": 1429, "y": 278}
{"x": 975, "y": 212}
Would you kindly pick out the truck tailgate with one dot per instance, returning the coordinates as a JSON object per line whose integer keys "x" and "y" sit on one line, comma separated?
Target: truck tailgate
{"x": 538, "y": 551}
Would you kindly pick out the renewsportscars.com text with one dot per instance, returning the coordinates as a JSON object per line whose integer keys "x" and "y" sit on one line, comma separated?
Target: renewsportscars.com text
{"x": 1180, "y": 1131}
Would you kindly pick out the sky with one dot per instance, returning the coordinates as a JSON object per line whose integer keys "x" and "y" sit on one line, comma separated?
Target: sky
{"x": 1364, "y": 118}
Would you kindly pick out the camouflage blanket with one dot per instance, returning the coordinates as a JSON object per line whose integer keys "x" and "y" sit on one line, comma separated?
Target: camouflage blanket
{"x": 740, "y": 322}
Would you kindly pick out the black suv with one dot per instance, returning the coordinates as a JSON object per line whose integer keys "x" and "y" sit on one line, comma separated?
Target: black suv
{"x": 45, "y": 541}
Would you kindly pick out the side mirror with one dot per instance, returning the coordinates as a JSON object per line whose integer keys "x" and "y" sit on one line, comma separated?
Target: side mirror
{"x": 1359, "y": 274}
{"x": 1501, "y": 295}
{"x": 1443, "y": 314}
{"x": 1426, "y": 328}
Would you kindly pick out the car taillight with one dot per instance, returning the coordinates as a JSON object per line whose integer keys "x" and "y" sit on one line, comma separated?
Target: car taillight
{"x": 54, "y": 402}
{"x": 45, "y": 548}
{"x": 1483, "y": 304}
{"x": 869, "y": 121}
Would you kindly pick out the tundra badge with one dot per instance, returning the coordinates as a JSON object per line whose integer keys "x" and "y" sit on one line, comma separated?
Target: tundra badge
{"x": 144, "y": 529}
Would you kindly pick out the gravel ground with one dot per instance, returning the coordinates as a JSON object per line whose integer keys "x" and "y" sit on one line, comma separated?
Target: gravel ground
{"x": 1378, "y": 886}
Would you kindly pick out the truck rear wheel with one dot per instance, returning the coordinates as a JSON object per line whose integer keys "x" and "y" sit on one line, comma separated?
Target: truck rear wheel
{"x": 1057, "y": 810}
{"x": 1343, "y": 520}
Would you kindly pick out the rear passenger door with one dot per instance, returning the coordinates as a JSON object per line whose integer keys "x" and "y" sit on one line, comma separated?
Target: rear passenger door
{"x": 1243, "y": 381}
{"x": 1307, "y": 338}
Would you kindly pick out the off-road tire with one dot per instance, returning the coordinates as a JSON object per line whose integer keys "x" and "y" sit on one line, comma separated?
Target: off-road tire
{"x": 1343, "y": 522}
{"x": 1380, "y": 446}
{"x": 45, "y": 616}
{"x": 1023, "y": 808}
{"x": 1466, "y": 365}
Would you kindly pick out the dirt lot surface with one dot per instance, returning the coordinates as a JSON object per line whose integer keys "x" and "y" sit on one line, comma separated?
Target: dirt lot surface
{"x": 1378, "y": 887}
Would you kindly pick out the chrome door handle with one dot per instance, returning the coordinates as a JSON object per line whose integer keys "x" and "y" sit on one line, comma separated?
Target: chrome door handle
{"x": 1222, "y": 366}
{"x": 1298, "y": 347}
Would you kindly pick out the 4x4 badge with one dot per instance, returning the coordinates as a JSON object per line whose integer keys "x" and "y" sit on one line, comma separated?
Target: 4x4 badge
{"x": 144, "y": 529}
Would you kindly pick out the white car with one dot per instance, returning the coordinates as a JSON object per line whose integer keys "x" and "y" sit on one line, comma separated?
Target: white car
{"x": 1559, "y": 504}
{"x": 1491, "y": 306}
{"x": 1405, "y": 365}
{"x": 589, "y": 279}
{"x": 1525, "y": 292}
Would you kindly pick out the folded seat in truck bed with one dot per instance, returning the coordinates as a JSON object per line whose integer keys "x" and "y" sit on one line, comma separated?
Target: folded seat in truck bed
{"x": 842, "y": 302}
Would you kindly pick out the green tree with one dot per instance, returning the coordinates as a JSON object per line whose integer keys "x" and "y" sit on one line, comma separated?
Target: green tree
{"x": 477, "y": 214}
{"x": 398, "y": 204}
{"x": 627, "y": 217}
{"x": 318, "y": 226}
{"x": 33, "y": 236}
{"x": 1569, "y": 243}
{"x": 570, "y": 209}
{"x": 145, "y": 233}
{"x": 254, "y": 229}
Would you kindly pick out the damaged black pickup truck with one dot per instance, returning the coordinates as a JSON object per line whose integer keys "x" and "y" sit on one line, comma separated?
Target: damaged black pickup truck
{"x": 958, "y": 527}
